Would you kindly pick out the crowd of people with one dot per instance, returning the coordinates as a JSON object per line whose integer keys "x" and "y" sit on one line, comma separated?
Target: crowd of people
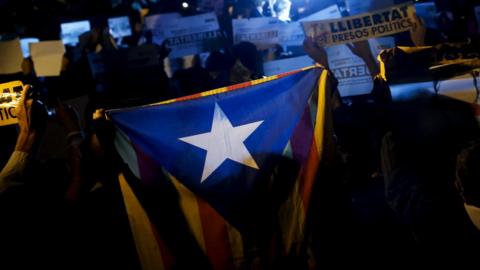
{"x": 406, "y": 182}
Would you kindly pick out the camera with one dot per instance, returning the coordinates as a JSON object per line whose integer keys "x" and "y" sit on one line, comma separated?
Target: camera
{"x": 42, "y": 107}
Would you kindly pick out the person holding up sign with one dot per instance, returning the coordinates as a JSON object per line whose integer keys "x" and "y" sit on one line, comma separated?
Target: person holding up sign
{"x": 360, "y": 121}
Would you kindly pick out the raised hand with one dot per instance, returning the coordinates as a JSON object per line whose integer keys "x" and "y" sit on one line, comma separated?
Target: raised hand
{"x": 316, "y": 52}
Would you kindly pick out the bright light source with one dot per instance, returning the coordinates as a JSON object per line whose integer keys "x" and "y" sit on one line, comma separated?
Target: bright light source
{"x": 185, "y": 5}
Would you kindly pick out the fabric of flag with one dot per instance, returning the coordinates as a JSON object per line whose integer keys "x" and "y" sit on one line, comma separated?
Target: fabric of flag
{"x": 242, "y": 160}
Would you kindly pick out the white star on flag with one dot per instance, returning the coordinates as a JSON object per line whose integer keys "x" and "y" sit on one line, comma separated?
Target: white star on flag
{"x": 223, "y": 142}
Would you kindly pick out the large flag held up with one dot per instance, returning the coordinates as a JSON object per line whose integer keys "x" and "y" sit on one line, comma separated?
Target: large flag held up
{"x": 243, "y": 161}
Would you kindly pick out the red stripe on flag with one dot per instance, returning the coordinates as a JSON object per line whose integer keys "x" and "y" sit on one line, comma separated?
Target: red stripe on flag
{"x": 194, "y": 96}
{"x": 476, "y": 109}
{"x": 308, "y": 174}
{"x": 215, "y": 233}
{"x": 167, "y": 257}
{"x": 239, "y": 86}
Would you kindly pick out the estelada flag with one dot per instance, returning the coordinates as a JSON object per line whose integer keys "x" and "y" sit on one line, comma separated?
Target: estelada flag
{"x": 237, "y": 164}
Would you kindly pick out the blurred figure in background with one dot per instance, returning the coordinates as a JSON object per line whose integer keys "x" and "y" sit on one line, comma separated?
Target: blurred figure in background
{"x": 420, "y": 166}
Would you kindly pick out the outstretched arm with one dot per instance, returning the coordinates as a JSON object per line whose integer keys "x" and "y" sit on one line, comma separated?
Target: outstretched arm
{"x": 362, "y": 50}
{"x": 14, "y": 169}
{"x": 315, "y": 52}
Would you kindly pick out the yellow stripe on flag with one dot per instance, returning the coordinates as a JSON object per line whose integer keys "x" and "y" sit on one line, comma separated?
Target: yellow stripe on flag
{"x": 189, "y": 205}
{"x": 192, "y": 208}
{"x": 320, "y": 121}
{"x": 236, "y": 244}
{"x": 293, "y": 212}
{"x": 292, "y": 219}
{"x": 148, "y": 249}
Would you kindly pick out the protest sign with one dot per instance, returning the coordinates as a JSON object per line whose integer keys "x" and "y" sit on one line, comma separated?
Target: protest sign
{"x": 72, "y": 30}
{"x": 11, "y": 57}
{"x": 351, "y": 71}
{"x": 428, "y": 12}
{"x": 193, "y": 35}
{"x": 331, "y": 12}
{"x": 120, "y": 27}
{"x": 9, "y": 95}
{"x": 261, "y": 31}
{"x": 380, "y": 23}
{"x": 285, "y": 65}
{"x": 24, "y": 43}
{"x": 47, "y": 57}
{"x": 156, "y": 23}
{"x": 267, "y": 31}
{"x": 291, "y": 34}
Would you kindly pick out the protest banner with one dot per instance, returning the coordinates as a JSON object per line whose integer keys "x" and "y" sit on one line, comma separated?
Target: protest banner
{"x": 47, "y": 57}
{"x": 286, "y": 65}
{"x": 156, "y": 23}
{"x": 72, "y": 30}
{"x": 9, "y": 95}
{"x": 11, "y": 57}
{"x": 267, "y": 31}
{"x": 331, "y": 12}
{"x": 379, "y": 23}
{"x": 120, "y": 27}
{"x": 24, "y": 43}
{"x": 261, "y": 31}
{"x": 428, "y": 12}
{"x": 351, "y": 71}
{"x": 193, "y": 35}
{"x": 291, "y": 34}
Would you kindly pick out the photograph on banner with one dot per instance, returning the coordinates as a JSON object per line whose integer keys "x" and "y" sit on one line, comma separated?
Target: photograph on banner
{"x": 396, "y": 19}
{"x": 47, "y": 57}
{"x": 70, "y": 32}
{"x": 12, "y": 57}
{"x": 286, "y": 65}
{"x": 292, "y": 34}
{"x": 266, "y": 32}
{"x": 120, "y": 27}
{"x": 9, "y": 97}
{"x": 24, "y": 43}
{"x": 193, "y": 35}
{"x": 428, "y": 12}
{"x": 261, "y": 31}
